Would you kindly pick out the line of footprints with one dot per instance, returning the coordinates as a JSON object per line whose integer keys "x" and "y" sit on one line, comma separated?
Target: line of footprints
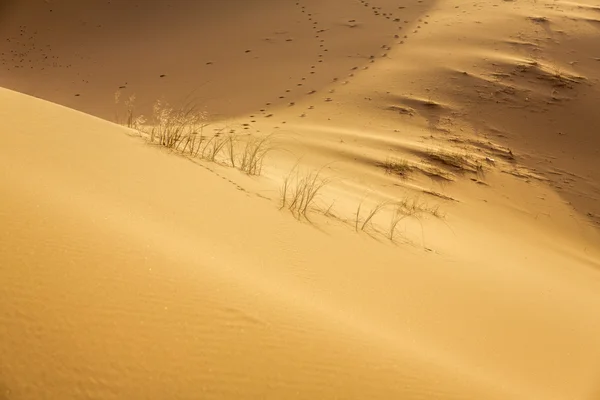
{"x": 321, "y": 55}
{"x": 302, "y": 82}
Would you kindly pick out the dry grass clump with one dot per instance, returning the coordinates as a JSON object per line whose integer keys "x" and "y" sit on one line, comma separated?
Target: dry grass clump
{"x": 181, "y": 129}
{"x": 213, "y": 147}
{"x": 370, "y": 215}
{"x": 252, "y": 155}
{"x": 435, "y": 173}
{"x": 410, "y": 208}
{"x": 172, "y": 127}
{"x": 131, "y": 120}
{"x": 400, "y": 210}
{"x": 396, "y": 166}
{"x": 454, "y": 160}
{"x": 437, "y": 164}
{"x": 440, "y": 195}
{"x": 300, "y": 190}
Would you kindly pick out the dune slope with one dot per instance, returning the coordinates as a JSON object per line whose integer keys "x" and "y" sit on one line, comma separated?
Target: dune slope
{"x": 79, "y": 54}
{"x": 129, "y": 271}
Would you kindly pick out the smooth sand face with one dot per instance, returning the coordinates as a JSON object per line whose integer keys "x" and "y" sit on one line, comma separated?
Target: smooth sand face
{"x": 130, "y": 272}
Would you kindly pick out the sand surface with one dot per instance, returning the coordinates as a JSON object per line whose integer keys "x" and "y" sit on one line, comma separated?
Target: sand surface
{"x": 129, "y": 271}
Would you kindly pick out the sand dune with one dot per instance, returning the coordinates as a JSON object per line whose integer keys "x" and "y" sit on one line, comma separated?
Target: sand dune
{"x": 79, "y": 55}
{"x": 131, "y": 271}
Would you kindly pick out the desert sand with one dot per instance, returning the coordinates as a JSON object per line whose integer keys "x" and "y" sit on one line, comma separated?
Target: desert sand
{"x": 468, "y": 129}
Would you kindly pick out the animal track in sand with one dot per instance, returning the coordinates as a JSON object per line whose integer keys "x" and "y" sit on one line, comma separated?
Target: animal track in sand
{"x": 26, "y": 52}
{"x": 388, "y": 15}
{"x": 393, "y": 18}
{"x": 312, "y": 20}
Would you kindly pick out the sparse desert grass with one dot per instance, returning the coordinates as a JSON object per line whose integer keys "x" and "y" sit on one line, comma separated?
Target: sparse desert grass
{"x": 440, "y": 195}
{"x": 192, "y": 144}
{"x": 435, "y": 173}
{"x": 400, "y": 210}
{"x": 397, "y": 216}
{"x": 549, "y": 73}
{"x": 411, "y": 208}
{"x": 213, "y": 147}
{"x": 451, "y": 159}
{"x": 454, "y": 160}
{"x": 181, "y": 129}
{"x": 253, "y": 154}
{"x": 131, "y": 120}
{"x": 300, "y": 190}
{"x": 172, "y": 127}
{"x": 370, "y": 215}
{"x": 396, "y": 166}
{"x": 231, "y": 145}
{"x": 328, "y": 212}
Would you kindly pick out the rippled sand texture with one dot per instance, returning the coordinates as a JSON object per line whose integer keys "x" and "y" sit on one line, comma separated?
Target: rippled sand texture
{"x": 129, "y": 271}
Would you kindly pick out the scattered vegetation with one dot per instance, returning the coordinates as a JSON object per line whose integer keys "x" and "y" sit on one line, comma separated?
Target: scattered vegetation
{"x": 300, "y": 191}
{"x": 435, "y": 173}
{"x": 437, "y": 164}
{"x": 410, "y": 208}
{"x": 397, "y": 166}
{"x": 253, "y": 154}
{"x": 171, "y": 127}
{"x": 440, "y": 195}
{"x": 213, "y": 147}
{"x": 454, "y": 160}
{"x": 552, "y": 74}
{"x": 400, "y": 210}
{"x": 370, "y": 215}
{"x": 131, "y": 121}
{"x": 182, "y": 129}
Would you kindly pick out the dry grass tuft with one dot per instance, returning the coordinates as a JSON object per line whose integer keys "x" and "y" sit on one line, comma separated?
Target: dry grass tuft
{"x": 300, "y": 191}
{"x": 436, "y": 173}
{"x": 454, "y": 160}
{"x": 370, "y": 215}
{"x": 397, "y": 166}
{"x": 411, "y": 208}
{"x": 176, "y": 127}
{"x": 181, "y": 130}
{"x": 253, "y": 154}
{"x": 213, "y": 147}
{"x": 400, "y": 210}
{"x": 131, "y": 120}
{"x": 440, "y": 195}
